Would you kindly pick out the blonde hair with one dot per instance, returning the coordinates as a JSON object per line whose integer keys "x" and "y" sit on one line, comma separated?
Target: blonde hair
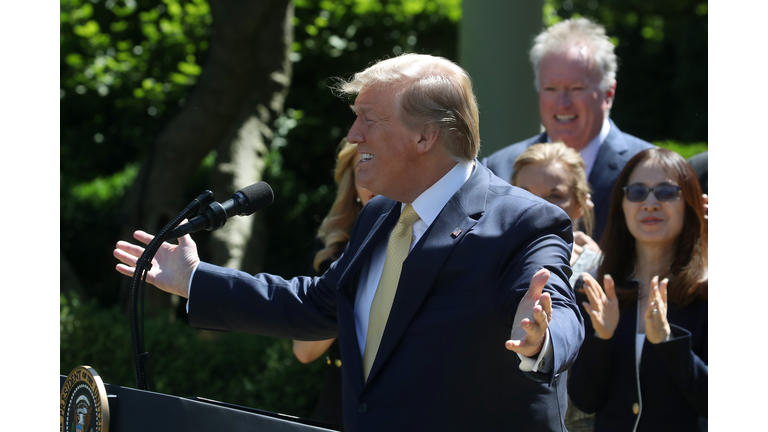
{"x": 432, "y": 91}
{"x": 337, "y": 225}
{"x": 560, "y": 153}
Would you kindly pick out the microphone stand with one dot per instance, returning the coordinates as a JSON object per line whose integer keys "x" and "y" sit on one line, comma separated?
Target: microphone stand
{"x": 143, "y": 265}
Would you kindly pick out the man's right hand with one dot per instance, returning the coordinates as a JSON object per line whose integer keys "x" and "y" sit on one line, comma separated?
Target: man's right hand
{"x": 172, "y": 265}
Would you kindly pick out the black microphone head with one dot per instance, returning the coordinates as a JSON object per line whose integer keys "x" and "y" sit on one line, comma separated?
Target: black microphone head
{"x": 257, "y": 196}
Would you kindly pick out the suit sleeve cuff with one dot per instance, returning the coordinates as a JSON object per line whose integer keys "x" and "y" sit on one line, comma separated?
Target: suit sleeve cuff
{"x": 541, "y": 364}
{"x": 189, "y": 288}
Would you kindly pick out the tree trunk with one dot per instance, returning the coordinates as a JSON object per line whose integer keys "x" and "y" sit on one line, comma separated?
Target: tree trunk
{"x": 241, "y": 91}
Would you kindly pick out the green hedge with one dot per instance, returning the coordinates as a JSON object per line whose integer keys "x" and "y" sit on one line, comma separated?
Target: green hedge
{"x": 254, "y": 371}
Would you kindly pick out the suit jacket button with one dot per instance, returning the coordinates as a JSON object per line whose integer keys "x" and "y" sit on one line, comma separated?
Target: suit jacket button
{"x": 361, "y": 408}
{"x": 636, "y": 408}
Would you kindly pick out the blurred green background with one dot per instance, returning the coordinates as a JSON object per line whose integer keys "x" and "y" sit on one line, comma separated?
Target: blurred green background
{"x": 129, "y": 67}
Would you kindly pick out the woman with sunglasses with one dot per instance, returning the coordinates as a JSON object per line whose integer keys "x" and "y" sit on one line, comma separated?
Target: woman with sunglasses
{"x": 643, "y": 364}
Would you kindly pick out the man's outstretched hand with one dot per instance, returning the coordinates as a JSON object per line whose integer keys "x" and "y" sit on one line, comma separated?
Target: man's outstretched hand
{"x": 532, "y": 318}
{"x": 172, "y": 265}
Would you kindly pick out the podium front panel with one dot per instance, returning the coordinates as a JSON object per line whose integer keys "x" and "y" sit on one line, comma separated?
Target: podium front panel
{"x": 140, "y": 410}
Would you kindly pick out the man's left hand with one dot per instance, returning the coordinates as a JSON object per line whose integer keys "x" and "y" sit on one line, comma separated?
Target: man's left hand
{"x": 532, "y": 318}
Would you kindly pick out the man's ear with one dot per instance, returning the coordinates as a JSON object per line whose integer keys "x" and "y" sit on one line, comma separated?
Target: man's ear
{"x": 428, "y": 138}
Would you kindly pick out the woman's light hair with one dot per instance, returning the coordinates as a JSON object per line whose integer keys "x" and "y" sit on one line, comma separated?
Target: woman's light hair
{"x": 431, "y": 91}
{"x": 572, "y": 162}
{"x": 577, "y": 32}
{"x": 337, "y": 225}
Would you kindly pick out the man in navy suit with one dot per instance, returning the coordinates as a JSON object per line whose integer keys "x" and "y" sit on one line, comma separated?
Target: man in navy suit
{"x": 575, "y": 67}
{"x": 483, "y": 324}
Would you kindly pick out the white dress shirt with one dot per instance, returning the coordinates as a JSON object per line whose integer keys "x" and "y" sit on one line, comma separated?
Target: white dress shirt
{"x": 589, "y": 152}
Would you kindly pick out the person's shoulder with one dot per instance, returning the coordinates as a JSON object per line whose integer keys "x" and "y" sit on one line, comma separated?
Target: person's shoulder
{"x": 501, "y": 190}
{"x": 512, "y": 151}
{"x": 378, "y": 204}
{"x": 512, "y": 200}
{"x": 637, "y": 143}
{"x": 501, "y": 162}
{"x": 699, "y": 159}
{"x": 371, "y": 212}
{"x": 633, "y": 143}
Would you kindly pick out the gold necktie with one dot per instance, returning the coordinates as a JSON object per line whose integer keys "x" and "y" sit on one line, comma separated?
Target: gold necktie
{"x": 397, "y": 249}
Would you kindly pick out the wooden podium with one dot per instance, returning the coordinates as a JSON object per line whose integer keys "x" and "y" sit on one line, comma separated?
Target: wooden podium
{"x": 138, "y": 410}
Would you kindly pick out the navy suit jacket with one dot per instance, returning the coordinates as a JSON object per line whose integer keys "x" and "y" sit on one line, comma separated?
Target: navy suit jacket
{"x": 617, "y": 149}
{"x": 442, "y": 364}
{"x": 669, "y": 386}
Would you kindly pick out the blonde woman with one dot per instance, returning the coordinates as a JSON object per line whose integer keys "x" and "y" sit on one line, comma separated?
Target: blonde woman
{"x": 332, "y": 237}
{"x": 556, "y": 173}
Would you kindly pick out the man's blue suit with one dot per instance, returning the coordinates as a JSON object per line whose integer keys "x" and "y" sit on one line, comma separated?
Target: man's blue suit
{"x": 617, "y": 149}
{"x": 442, "y": 364}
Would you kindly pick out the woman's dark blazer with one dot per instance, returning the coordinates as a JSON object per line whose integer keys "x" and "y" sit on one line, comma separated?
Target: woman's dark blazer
{"x": 669, "y": 389}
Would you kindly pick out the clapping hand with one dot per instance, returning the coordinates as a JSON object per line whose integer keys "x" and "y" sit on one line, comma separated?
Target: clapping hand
{"x": 603, "y": 306}
{"x": 534, "y": 312}
{"x": 656, "y": 325}
{"x": 172, "y": 265}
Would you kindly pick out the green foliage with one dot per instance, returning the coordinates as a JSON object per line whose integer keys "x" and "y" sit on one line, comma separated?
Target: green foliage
{"x": 242, "y": 369}
{"x": 685, "y": 150}
{"x": 336, "y": 39}
{"x": 126, "y": 68}
{"x": 662, "y": 50}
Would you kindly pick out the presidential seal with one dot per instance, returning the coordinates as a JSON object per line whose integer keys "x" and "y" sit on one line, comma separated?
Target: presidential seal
{"x": 83, "y": 405}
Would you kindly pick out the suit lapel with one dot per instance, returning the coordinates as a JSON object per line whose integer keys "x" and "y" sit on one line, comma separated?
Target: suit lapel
{"x": 423, "y": 264}
{"x": 363, "y": 253}
{"x": 607, "y": 165}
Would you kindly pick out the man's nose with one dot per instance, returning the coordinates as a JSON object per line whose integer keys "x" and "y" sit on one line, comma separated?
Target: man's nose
{"x": 354, "y": 136}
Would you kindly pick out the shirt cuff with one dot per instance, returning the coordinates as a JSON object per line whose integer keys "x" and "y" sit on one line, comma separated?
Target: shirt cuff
{"x": 541, "y": 364}
{"x": 189, "y": 288}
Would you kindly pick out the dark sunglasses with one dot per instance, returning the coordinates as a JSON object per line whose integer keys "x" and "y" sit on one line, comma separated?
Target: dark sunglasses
{"x": 638, "y": 193}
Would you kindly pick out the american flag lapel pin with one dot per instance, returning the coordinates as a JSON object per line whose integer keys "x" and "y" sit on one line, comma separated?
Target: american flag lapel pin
{"x": 456, "y": 232}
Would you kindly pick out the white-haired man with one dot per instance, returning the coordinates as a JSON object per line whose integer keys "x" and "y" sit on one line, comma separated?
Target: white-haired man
{"x": 451, "y": 301}
{"x": 575, "y": 67}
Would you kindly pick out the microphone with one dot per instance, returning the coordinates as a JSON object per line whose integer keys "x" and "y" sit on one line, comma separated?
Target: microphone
{"x": 244, "y": 202}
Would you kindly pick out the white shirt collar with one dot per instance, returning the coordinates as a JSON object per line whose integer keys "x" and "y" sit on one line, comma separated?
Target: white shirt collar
{"x": 589, "y": 152}
{"x": 431, "y": 202}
